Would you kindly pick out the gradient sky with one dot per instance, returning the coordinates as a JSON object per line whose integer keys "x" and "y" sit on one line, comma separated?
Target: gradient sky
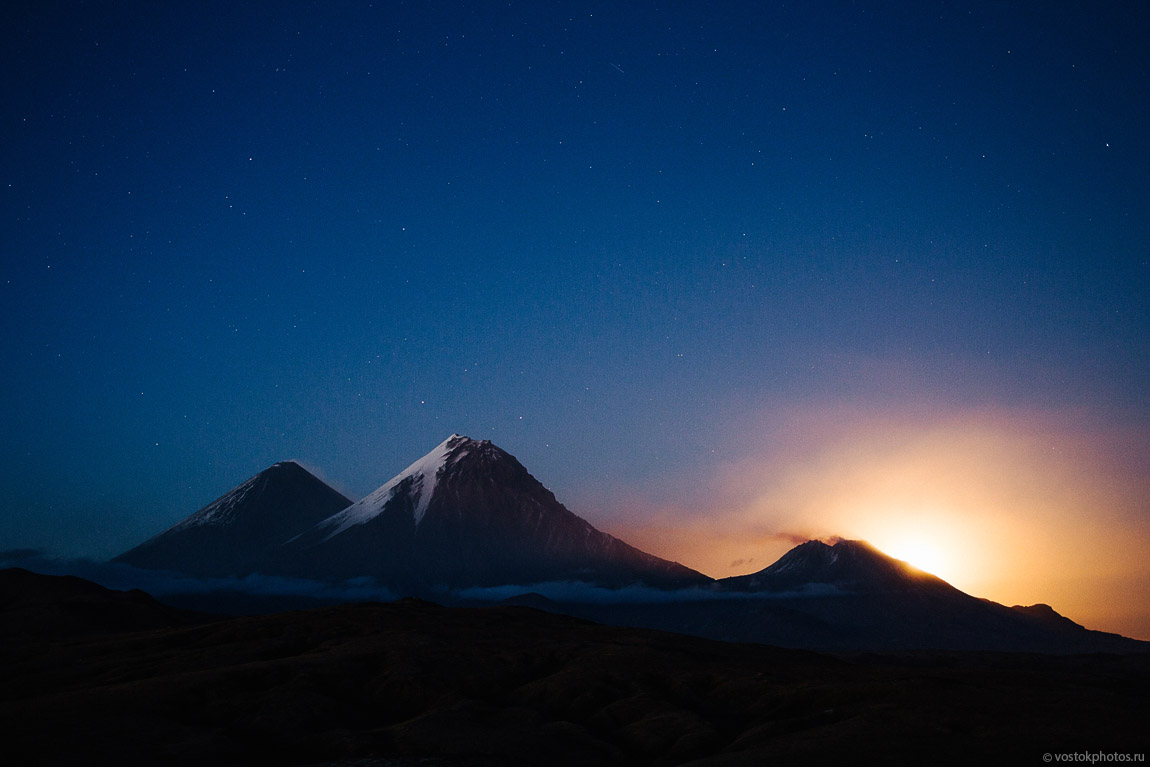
{"x": 721, "y": 275}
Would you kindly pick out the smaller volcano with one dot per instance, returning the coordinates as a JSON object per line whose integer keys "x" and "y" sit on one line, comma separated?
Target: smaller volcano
{"x": 234, "y": 534}
{"x": 849, "y": 566}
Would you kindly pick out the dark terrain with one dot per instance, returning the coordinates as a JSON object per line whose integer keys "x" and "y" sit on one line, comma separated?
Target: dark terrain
{"x": 414, "y": 683}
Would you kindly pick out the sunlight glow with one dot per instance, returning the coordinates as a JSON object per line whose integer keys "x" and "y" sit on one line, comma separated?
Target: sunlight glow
{"x": 1016, "y": 506}
{"x": 934, "y": 538}
{"x": 925, "y": 554}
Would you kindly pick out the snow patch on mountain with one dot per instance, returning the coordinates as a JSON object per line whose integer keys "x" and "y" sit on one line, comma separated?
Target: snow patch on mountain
{"x": 423, "y": 474}
{"x": 219, "y": 511}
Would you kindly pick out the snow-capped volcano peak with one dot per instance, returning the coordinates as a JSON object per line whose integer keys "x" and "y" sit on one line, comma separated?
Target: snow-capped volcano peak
{"x": 222, "y": 511}
{"x": 418, "y": 480}
{"x": 234, "y": 534}
{"x": 468, "y": 513}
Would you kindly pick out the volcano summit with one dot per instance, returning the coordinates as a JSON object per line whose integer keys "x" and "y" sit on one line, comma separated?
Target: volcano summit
{"x": 469, "y": 514}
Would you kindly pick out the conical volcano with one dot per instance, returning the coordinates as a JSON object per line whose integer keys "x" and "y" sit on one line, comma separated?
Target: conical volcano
{"x": 469, "y": 514}
{"x": 234, "y": 534}
{"x": 854, "y": 566}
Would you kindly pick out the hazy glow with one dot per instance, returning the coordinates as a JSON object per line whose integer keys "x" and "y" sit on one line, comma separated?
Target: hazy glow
{"x": 927, "y": 553}
{"x": 1018, "y": 507}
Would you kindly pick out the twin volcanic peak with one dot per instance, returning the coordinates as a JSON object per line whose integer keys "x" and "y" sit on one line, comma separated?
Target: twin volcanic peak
{"x": 466, "y": 514}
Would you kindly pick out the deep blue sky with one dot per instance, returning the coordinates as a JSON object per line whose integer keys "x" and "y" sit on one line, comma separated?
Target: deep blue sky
{"x": 612, "y": 237}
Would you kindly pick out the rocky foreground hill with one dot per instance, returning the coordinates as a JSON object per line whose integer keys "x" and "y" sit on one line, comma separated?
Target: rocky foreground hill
{"x": 413, "y": 683}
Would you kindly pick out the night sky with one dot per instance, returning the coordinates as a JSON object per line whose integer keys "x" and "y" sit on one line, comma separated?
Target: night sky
{"x": 722, "y": 276}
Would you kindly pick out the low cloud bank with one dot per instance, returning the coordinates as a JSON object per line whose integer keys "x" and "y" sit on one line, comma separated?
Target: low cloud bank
{"x": 162, "y": 583}
{"x": 579, "y": 592}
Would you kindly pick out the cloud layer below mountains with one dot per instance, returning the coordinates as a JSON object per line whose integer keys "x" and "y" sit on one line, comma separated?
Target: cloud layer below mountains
{"x": 163, "y": 584}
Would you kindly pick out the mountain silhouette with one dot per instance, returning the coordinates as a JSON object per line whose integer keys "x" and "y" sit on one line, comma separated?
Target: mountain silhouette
{"x": 850, "y": 596}
{"x": 236, "y": 534}
{"x": 469, "y": 514}
{"x": 468, "y": 522}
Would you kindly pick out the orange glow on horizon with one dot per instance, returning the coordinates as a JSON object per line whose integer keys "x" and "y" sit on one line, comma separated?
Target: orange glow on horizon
{"x": 1019, "y": 508}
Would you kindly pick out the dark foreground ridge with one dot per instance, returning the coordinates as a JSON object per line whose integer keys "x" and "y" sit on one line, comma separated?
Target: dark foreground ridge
{"x": 35, "y": 607}
{"x": 412, "y": 683}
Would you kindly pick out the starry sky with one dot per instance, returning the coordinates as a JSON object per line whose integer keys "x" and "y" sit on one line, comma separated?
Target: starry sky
{"x": 723, "y": 276}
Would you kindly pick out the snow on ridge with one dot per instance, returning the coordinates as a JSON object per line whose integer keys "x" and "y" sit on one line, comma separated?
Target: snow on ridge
{"x": 216, "y": 512}
{"x": 424, "y": 473}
